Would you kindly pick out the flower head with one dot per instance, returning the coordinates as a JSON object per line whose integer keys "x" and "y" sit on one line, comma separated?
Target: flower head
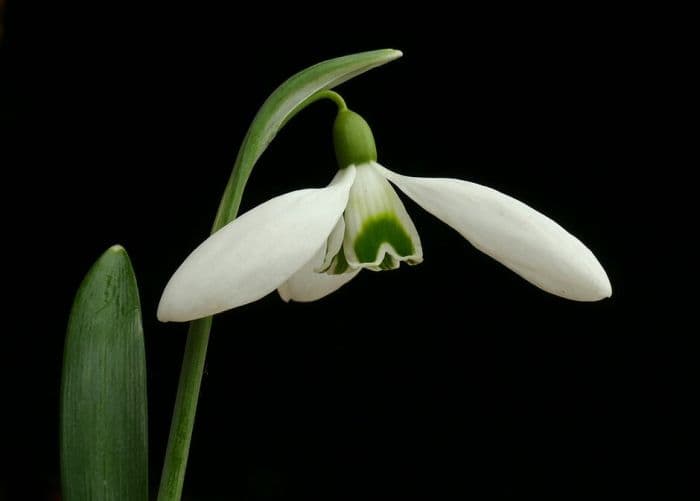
{"x": 308, "y": 243}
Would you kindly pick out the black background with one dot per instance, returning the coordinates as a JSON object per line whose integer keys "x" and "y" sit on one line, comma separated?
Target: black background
{"x": 452, "y": 378}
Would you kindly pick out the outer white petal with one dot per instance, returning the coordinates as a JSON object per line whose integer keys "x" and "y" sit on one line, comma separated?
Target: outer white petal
{"x": 308, "y": 285}
{"x": 251, "y": 256}
{"x": 527, "y": 242}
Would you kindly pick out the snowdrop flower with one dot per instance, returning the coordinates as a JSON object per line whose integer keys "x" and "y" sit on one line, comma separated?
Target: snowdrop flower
{"x": 308, "y": 243}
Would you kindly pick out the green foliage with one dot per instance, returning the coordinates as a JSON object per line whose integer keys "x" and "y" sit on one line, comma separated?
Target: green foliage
{"x": 104, "y": 444}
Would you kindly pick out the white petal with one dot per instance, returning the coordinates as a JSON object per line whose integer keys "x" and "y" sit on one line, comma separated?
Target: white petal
{"x": 309, "y": 285}
{"x": 379, "y": 233}
{"x": 527, "y": 242}
{"x": 251, "y": 256}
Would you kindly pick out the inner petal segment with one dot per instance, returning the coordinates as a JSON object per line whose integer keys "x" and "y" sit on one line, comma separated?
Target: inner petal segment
{"x": 379, "y": 233}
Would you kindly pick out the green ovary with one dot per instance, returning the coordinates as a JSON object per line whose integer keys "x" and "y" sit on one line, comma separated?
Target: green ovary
{"x": 382, "y": 228}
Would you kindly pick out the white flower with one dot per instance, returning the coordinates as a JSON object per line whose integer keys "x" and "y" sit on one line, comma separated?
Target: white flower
{"x": 308, "y": 243}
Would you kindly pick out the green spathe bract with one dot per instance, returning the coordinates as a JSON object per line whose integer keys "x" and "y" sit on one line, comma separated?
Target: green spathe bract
{"x": 104, "y": 450}
{"x": 381, "y": 229}
{"x": 286, "y": 101}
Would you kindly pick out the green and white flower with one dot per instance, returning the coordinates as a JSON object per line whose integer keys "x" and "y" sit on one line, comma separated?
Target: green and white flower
{"x": 308, "y": 243}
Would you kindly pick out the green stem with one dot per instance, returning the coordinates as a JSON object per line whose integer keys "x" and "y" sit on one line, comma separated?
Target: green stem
{"x": 328, "y": 94}
{"x": 182, "y": 423}
{"x": 233, "y": 193}
{"x": 185, "y": 409}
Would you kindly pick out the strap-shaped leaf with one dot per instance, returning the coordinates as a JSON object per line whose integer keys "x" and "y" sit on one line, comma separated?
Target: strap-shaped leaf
{"x": 104, "y": 451}
{"x": 283, "y": 104}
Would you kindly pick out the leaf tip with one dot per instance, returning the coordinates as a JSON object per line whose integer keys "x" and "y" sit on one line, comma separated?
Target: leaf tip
{"x": 117, "y": 249}
{"x": 113, "y": 258}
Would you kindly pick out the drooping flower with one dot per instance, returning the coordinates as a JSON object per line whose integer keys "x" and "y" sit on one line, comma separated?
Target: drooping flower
{"x": 308, "y": 243}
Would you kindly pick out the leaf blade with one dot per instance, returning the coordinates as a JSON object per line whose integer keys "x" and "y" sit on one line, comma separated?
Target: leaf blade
{"x": 104, "y": 450}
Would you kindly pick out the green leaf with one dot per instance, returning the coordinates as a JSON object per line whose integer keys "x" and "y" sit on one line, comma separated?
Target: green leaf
{"x": 289, "y": 98}
{"x": 104, "y": 450}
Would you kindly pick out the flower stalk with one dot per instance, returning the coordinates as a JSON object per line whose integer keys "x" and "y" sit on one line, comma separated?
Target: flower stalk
{"x": 182, "y": 424}
{"x": 286, "y": 101}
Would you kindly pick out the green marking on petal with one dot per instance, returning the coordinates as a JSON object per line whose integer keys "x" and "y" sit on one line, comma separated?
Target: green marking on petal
{"x": 380, "y": 229}
{"x": 340, "y": 263}
{"x": 388, "y": 263}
